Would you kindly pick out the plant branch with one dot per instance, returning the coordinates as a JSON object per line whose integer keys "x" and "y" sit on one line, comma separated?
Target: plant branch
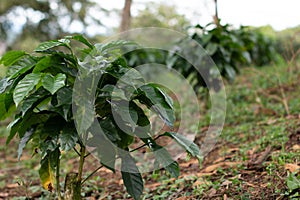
{"x": 81, "y": 162}
{"x": 57, "y": 177}
{"x": 91, "y": 174}
{"x": 76, "y": 151}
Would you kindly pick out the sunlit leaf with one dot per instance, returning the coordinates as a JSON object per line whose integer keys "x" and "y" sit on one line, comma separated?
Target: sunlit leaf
{"x": 25, "y": 86}
{"x": 23, "y": 142}
{"x": 53, "y": 83}
{"x": 49, "y": 45}
{"x": 11, "y": 57}
{"x": 81, "y": 39}
{"x": 188, "y": 145}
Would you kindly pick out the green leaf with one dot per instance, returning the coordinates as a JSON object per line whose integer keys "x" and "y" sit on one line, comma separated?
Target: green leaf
{"x": 4, "y": 84}
{"x": 84, "y": 114}
{"x": 68, "y": 137}
{"x": 293, "y": 182}
{"x": 188, "y": 145}
{"x": 81, "y": 39}
{"x": 25, "y": 86}
{"x": 163, "y": 157}
{"x": 106, "y": 150}
{"x": 108, "y": 127}
{"x": 64, "y": 96}
{"x": 6, "y": 105}
{"x": 113, "y": 91}
{"x": 131, "y": 176}
{"x": 11, "y": 57}
{"x": 154, "y": 98}
{"x": 49, "y": 45}
{"x": 126, "y": 112}
{"x": 33, "y": 100}
{"x": 23, "y": 142}
{"x": 211, "y": 48}
{"x": 230, "y": 72}
{"x": 13, "y": 127}
{"x": 46, "y": 62}
{"x": 53, "y": 83}
{"x": 21, "y": 67}
{"x": 118, "y": 44}
{"x": 165, "y": 160}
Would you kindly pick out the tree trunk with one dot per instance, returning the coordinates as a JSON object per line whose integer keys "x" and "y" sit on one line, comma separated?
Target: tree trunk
{"x": 216, "y": 16}
{"x": 72, "y": 187}
{"x": 126, "y": 16}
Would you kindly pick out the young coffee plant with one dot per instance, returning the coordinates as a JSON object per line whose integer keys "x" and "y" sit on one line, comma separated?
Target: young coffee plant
{"x": 38, "y": 91}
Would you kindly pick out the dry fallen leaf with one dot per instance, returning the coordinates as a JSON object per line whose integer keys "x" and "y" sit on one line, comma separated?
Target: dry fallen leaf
{"x": 214, "y": 167}
{"x": 199, "y": 182}
{"x": 296, "y": 147}
{"x": 13, "y": 185}
{"x": 3, "y": 195}
{"x": 291, "y": 167}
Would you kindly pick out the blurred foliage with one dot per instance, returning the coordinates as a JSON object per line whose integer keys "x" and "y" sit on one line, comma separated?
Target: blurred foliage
{"x": 162, "y": 16}
{"x": 23, "y": 24}
{"x": 288, "y": 43}
{"x": 229, "y": 48}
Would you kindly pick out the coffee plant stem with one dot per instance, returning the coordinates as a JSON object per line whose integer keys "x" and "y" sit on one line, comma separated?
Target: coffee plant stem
{"x": 57, "y": 178}
{"x": 81, "y": 162}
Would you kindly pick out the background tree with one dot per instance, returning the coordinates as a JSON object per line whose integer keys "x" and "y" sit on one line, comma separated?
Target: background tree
{"x": 126, "y": 16}
{"x": 216, "y": 16}
{"x": 25, "y": 23}
{"x": 160, "y": 15}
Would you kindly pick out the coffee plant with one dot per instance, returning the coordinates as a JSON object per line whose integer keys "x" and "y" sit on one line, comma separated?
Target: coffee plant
{"x": 38, "y": 91}
{"x": 228, "y": 47}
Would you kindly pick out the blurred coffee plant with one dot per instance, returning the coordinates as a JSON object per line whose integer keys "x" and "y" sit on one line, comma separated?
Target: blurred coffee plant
{"x": 228, "y": 47}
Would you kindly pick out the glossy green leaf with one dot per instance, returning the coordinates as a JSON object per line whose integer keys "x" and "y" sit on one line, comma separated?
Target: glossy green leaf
{"x": 81, "y": 39}
{"x": 21, "y": 67}
{"x": 4, "y": 84}
{"x": 13, "y": 127}
{"x": 188, "y": 145}
{"x": 46, "y": 62}
{"x": 118, "y": 44}
{"x": 165, "y": 160}
{"x": 23, "y": 142}
{"x": 49, "y": 45}
{"x": 53, "y": 83}
{"x": 83, "y": 113}
{"x": 106, "y": 150}
{"x": 126, "y": 112}
{"x": 11, "y": 57}
{"x": 155, "y": 99}
{"x": 43, "y": 105}
{"x": 110, "y": 130}
{"x": 33, "y": 100}
{"x": 64, "y": 96}
{"x": 25, "y": 86}
{"x": 131, "y": 176}
{"x": 163, "y": 157}
{"x": 6, "y": 105}
{"x": 68, "y": 137}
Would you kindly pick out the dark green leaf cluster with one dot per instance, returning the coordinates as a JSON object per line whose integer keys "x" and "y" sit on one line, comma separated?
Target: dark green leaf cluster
{"x": 228, "y": 47}
{"x": 38, "y": 88}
